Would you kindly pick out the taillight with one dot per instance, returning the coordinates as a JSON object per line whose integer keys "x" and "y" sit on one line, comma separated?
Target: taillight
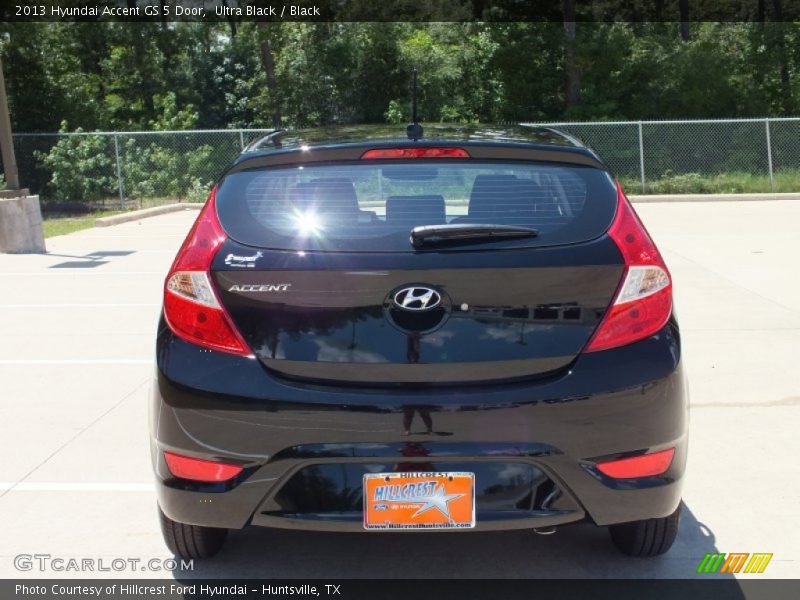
{"x": 643, "y": 302}
{"x": 395, "y": 153}
{"x": 645, "y": 465}
{"x": 191, "y": 307}
{"x": 198, "y": 469}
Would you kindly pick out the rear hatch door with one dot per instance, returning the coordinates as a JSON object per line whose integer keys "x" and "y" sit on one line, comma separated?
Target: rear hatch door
{"x": 322, "y": 280}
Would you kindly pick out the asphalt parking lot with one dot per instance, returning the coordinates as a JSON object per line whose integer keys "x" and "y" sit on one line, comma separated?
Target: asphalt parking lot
{"x": 76, "y": 351}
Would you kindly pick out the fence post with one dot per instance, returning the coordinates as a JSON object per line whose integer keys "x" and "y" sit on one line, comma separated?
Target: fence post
{"x": 241, "y": 140}
{"x": 769, "y": 157}
{"x": 641, "y": 157}
{"x": 119, "y": 174}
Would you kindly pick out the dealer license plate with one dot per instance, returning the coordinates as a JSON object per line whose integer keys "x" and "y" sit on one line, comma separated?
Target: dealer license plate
{"x": 419, "y": 500}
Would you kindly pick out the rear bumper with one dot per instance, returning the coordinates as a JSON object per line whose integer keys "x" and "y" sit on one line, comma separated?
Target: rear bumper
{"x": 532, "y": 445}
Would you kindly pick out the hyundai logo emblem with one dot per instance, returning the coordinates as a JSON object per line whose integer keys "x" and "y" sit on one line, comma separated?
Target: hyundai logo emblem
{"x": 417, "y": 298}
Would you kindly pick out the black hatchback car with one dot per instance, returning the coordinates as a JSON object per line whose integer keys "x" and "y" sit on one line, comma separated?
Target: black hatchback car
{"x": 471, "y": 330}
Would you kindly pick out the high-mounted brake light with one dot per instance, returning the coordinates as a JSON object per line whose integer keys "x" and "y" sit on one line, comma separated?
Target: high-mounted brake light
{"x": 645, "y": 465}
{"x": 394, "y": 153}
{"x": 198, "y": 469}
{"x": 643, "y": 302}
{"x": 191, "y": 307}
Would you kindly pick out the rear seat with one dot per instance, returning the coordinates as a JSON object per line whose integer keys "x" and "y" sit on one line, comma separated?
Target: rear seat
{"x": 333, "y": 196}
{"x": 410, "y": 211}
{"x": 336, "y": 196}
{"x": 506, "y": 199}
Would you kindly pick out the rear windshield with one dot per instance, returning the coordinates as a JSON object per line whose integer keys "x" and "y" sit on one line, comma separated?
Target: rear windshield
{"x": 373, "y": 206}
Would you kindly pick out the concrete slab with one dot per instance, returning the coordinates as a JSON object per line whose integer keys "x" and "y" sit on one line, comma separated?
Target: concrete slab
{"x": 88, "y": 459}
{"x": 77, "y": 448}
{"x": 51, "y": 405}
{"x": 758, "y": 197}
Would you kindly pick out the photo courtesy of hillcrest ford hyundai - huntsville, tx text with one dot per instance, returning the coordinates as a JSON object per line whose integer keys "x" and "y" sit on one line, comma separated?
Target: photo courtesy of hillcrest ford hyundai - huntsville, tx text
{"x": 456, "y": 329}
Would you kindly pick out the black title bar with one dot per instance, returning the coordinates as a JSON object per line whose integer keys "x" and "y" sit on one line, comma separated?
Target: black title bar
{"x": 401, "y": 10}
{"x": 718, "y": 587}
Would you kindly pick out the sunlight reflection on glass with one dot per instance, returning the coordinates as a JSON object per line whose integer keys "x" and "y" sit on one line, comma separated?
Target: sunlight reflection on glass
{"x": 307, "y": 223}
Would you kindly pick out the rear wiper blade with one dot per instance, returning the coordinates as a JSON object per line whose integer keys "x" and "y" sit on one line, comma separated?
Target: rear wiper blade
{"x": 430, "y": 235}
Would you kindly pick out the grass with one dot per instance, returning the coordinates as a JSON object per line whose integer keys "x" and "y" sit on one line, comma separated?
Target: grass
{"x": 56, "y": 223}
{"x": 61, "y": 218}
{"x": 723, "y": 183}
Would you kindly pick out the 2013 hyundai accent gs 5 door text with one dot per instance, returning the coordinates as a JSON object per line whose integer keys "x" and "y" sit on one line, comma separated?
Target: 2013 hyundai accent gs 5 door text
{"x": 468, "y": 331}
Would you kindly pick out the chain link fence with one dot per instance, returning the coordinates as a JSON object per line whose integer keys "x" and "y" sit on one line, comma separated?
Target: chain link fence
{"x": 127, "y": 168}
{"x": 136, "y": 169}
{"x": 697, "y": 156}
{"x": 700, "y": 156}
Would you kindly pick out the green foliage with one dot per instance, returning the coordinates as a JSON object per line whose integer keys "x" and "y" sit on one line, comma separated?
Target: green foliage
{"x": 111, "y": 75}
{"x": 394, "y": 114}
{"x": 685, "y": 183}
{"x": 453, "y": 60}
{"x": 82, "y": 167}
{"x": 145, "y": 76}
{"x": 721, "y": 183}
{"x": 169, "y": 166}
{"x": 153, "y": 167}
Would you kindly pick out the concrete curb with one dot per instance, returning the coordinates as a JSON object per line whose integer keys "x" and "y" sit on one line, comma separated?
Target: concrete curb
{"x": 712, "y": 197}
{"x": 135, "y": 215}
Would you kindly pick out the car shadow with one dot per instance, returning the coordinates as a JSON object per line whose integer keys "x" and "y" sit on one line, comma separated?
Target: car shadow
{"x": 87, "y": 261}
{"x": 577, "y": 551}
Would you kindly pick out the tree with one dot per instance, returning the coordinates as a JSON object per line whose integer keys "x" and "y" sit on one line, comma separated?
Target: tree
{"x": 268, "y": 61}
{"x": 683, "y": 8}
{"x": 783, "y": 63}
{"x": 106, "y": 75}
{"x": 572, "y": 90}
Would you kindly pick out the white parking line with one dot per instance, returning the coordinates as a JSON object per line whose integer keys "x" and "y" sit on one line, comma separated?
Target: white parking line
{"x": 35, "y": 486}
{"x": 82, "y": 253}
{"x": 80, "y": 271}
{"x": 117, "y": 305}
{"x": 136, "y": 237}
{"x": 91, "y": 361}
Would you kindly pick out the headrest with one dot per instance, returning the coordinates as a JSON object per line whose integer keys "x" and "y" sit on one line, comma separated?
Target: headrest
{"x": 335, "y": 195}
{"x": 504, "y": 199}
{"x": 415, "y": 210}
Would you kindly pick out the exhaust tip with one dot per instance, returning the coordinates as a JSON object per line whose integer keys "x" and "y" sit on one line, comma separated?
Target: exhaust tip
{"x": 544, "y": 530}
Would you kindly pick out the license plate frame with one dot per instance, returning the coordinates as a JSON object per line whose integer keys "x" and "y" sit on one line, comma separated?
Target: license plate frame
{"x": 401, "y": 501}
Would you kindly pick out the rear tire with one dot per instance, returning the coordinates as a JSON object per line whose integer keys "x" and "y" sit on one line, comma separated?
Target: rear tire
{"x": 650, "y": 537}
{"x": 191, "y": 541}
